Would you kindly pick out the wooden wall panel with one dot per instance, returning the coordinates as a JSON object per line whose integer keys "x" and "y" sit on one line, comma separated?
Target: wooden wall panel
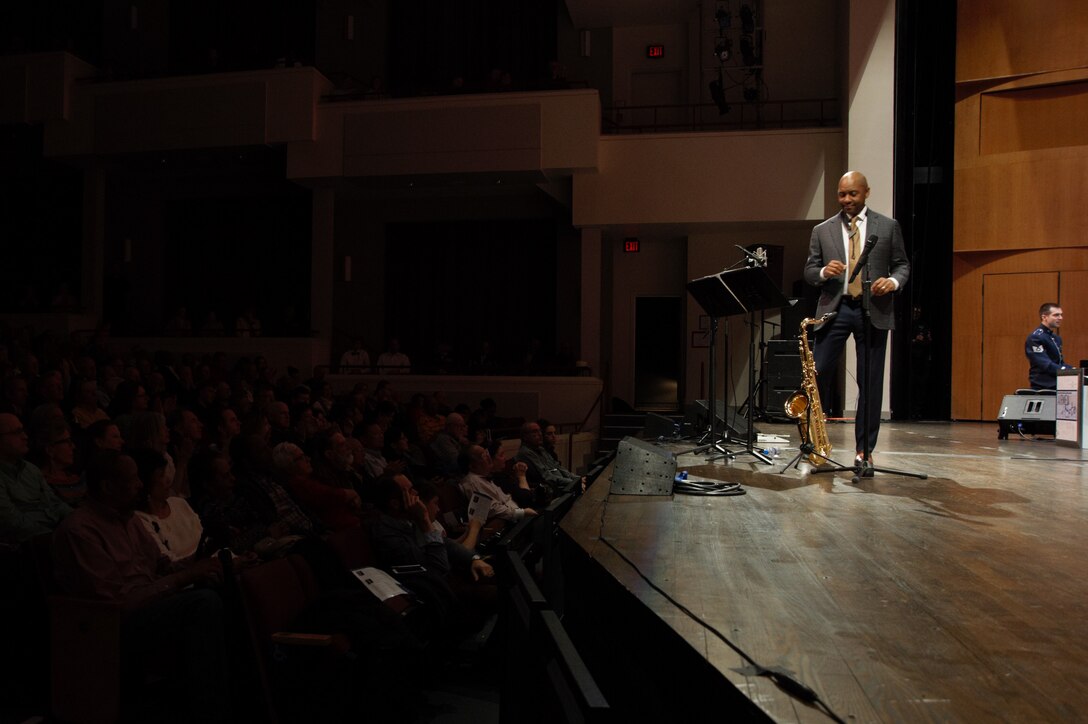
{"x": 1073, "y": 297}
{"x": 1031, "y": 200}
{"x": 1021, "y": 168}
{"x": 1003, "y": 38}
{"x": 1010, "y": 305}
{"x": 1034, "y": 118}
{"x": 972, "y": 348}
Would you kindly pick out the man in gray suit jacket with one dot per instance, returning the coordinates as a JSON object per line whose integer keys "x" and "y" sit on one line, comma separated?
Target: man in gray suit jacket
{"x": 834, "y": 246}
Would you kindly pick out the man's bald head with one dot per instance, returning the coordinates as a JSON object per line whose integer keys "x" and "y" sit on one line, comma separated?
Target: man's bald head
{"x": 855, "y": 177}
{"x": 853, "y": 193}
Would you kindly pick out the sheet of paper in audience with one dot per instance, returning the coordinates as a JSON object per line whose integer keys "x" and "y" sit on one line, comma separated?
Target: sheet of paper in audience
{"x": 380, "y": 583}
{"x": 479, "y": 507}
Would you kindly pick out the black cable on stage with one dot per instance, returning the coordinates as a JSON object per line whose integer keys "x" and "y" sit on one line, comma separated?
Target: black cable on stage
{"x": 781, "y": 679}
{"x": 708, "y": 487}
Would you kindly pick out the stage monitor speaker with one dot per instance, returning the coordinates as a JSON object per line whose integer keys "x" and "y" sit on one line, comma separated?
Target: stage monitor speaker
{"x": 658, "y": 426}
{"x": 784, "y": 377}
{"x": 642, "y": 469}
{"x": 729, "y": 421}
{"x": 1033, "y": 413}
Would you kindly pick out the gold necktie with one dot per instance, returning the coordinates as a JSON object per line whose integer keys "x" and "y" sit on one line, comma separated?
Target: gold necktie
{"x": 854, "y": 289}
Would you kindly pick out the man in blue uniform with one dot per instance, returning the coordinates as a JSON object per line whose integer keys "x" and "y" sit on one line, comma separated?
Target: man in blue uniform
{"x": 1044, "y": 349}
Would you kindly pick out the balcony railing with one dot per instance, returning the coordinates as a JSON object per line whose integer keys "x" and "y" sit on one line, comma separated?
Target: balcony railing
{"x": 702, "y": 117}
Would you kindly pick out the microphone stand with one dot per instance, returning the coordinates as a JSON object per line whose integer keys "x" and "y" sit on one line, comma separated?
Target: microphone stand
{"x": 865, "y": 468}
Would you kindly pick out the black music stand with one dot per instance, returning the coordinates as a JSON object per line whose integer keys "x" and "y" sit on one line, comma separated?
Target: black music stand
{"x": 717, "y": 302}
{"x": 739, "y": 291}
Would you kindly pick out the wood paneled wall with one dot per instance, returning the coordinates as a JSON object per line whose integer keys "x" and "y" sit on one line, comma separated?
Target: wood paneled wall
{"x": 1021, "y": 217}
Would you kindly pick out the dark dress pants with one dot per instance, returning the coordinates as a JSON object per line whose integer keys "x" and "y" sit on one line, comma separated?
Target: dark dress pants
{"x": 830, "y": 341}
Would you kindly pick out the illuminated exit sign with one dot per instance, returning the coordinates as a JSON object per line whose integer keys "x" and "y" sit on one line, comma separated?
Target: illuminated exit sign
{"x": 655, "y": 51}
{"x": 630, "y": 245}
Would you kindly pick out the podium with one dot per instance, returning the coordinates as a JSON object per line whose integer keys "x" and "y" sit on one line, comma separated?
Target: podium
{"x": 1071, "y": 403}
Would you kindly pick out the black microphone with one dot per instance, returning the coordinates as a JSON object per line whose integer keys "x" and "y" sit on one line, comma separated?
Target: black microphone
{"x": 869, "y": 244}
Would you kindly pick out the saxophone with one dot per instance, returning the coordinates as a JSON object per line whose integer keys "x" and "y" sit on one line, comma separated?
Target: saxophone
{"x": 804, "y": 405}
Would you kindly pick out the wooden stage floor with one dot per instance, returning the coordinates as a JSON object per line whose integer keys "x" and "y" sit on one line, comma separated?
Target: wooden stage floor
{"x": 963, "y": 597}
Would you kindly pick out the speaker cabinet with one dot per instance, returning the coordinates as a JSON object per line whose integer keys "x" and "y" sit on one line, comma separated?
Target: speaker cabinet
{"x": 1029, "y": 413}
{"x": 642, "y": 469}
{"x": 729, "y": 421}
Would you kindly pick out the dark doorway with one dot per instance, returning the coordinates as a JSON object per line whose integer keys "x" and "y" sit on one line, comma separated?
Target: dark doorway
{"x": 658, "y": 341}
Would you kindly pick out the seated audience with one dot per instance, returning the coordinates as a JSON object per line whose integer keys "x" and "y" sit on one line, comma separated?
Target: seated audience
{"x": 403, "y": 534}
{"x": 478, "y": 466}
{"x": 543, "y": 468}
{"x": 393, "y": 361}
{"x": 85, "y": 409}
{"x": 128, "y": 399}
{"x": 333, "y": 465}
{"x": 255, "y": 481}
{"x": 356, "y": 360}
{"x": 375, "y": 461}
{"x": 398, "y": 449}
{"x": 102, "y": 551}
{"x": 512, "y": 477}
{"x": 447, "y": 445}
{"x": 28, "y": 506}
{"x": 338, "y": 508}
{"x": 168, "y": 518}
{"x": 16, "y": 393}
{"x": 59, "y": 458}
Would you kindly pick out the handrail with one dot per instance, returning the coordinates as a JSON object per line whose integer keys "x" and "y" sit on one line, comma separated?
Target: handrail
{"x": 699, "y": 117}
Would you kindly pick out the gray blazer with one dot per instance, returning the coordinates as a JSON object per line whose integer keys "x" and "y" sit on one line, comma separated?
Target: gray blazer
{"x": 888, "y": 259}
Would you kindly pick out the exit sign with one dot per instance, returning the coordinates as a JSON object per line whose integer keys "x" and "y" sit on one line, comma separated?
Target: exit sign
{"x": 655, "y": 51}
{"x": 630, "y": 245}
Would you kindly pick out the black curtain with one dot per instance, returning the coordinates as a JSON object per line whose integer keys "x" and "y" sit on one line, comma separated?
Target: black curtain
{"x": 924, "y": 132}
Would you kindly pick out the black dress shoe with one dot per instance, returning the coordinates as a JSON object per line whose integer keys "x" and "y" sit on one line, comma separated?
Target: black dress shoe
{"x": 861, "y": 462}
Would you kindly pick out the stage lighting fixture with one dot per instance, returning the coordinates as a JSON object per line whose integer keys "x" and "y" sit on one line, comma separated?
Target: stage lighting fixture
{"x": 723, "y": 49}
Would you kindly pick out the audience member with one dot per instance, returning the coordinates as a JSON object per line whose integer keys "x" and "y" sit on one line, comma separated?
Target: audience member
{"x": 375, "y": 462}
{"x": 60, "y": 453}
{"x": 356, "y": 360}
{"x": 543, "y": 468}
{"x": 85, "y": 409}
{"x": 16, "y": 393}
{"x": 28, "y": 506}
{"x": 168, "y": 518}
{"x": 393, "y": 361}
{"x": 338, "y": 508}
{"x": 447, "y": 445}
{"x": 478, "y": 466}
{"x": 129, "y": 398}
{"x": 102, "y": 551}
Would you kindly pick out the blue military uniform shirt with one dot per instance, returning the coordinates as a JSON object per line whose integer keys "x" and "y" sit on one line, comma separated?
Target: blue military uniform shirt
{"x": 1044, "y": 352}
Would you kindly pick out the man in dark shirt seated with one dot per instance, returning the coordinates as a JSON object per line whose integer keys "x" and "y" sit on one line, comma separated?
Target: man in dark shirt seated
{"x": 102, "y": 551}
{"x": 1043, "y": 349}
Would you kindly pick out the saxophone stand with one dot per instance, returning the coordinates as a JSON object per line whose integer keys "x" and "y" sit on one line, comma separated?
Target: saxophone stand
{"x": 809, "y": 450}
{"x": 866, "y": 469}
